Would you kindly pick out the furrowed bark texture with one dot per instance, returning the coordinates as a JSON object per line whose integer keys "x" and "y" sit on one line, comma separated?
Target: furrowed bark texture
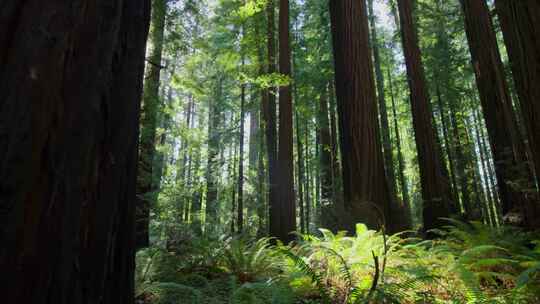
{"x": 71, "y": 83}
{"x": 508, "y": 149}
{"x": 366, "y": 195}
{"x": 520, "y": 24}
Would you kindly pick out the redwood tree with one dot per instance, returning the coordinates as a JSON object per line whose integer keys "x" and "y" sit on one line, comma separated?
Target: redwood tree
{"x": 269, "y": 117}
{"x": 70, "y": 98}
{"x": 366, "y": 195}
{"x": 520, "y": 24}
{"x": 507, "y": 146}
{"x": 285, "y": 183}
{"x": 435, "y": 186}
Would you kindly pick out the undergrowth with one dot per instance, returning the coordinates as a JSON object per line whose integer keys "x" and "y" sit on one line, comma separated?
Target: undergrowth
{"x": 467, "y": 263}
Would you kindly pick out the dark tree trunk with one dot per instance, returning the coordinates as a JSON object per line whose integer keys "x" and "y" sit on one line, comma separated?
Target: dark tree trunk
{"x": 366, "y": 196}
{"x": 149, "y": 123}
{"x": 269, "y": 115}
{"x": 508, "y": 149}
{"x": 285, "y": 164}
{"x": 520, "y": 24}
{"x": 436, "y": 192}
{"x": 70, "y": 98}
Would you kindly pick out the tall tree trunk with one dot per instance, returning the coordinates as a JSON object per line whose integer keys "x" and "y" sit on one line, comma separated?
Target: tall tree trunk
{"x": 401, "y": 160}
{"x": 196, "y": 197}
{"x": 329, "y": 215}
{"x": 508, "y": 149}
{"x": 366, "y": 194}
{"x": 336, "y": 172}
{"x": 149, "y": 123}
{"x": 70, "y": 95}
{"x": 213, "y": 163}
{"x": 436, "y": 192}
{"x": 300, "y": 183}
{"x": 485, "y": 171}
{"x": 285, "y": 165}
{"x": 449, "y": 145}
{"x": 240, "y": 205}
{"x": 269, "y": 111}
{"x": 520, "y": 24}
{"x": 383, "y": 112}
{"x": 309, "y": 172}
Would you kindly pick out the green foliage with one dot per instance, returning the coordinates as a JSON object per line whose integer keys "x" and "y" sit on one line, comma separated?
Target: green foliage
{"x": 249, "y": 261}
{"x": 193, "y": 280}
{"x": 172, "y": 293}
{"x": 263, "y": 293}
{"x": 470, "y": 263}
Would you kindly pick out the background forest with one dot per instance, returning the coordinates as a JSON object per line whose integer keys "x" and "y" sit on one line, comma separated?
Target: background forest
{"x": 244, "y": 137}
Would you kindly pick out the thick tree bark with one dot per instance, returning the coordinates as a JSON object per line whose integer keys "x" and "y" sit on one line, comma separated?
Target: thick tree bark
{"x": 366, "y": 195}
{"x": 149, "y": 122}
{"x": 285, "y": 164}
{"x": 515, "y": 184}
{"x": 436, "y": 191}
{"x": 520, "y": 24}
{"x": 71, "y": 85}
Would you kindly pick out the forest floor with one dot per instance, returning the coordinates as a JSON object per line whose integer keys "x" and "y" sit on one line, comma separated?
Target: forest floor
{"x": 469, "y": 263}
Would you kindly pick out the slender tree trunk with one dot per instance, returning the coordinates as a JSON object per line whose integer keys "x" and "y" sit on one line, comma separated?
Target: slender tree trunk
{"x": 232, "y": 174}
{"x": 401, "y": 160}
{"x": 436, "y": 191}
{"x": 336, "y": 172}
{"x": 488, "y": 172}
{"x": 383, "y": 112}
{"x": 149, "y": 123}
{"x": 285, "y": 183}
{"x": 261, "y": 206}
{"x": 71, "y": 85}
{"x": 366, "y": 194}
{"x": 329, "y": 215}
{"x": 300, "y": 183}
{"x": 449, "y": 145}
{"x": 309, "y": 173}
{"x": 508, "y": 149}
{"x": 240, "y": 205}
{"x": 520, "y": 24}
{"x": 213, "y": 163}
